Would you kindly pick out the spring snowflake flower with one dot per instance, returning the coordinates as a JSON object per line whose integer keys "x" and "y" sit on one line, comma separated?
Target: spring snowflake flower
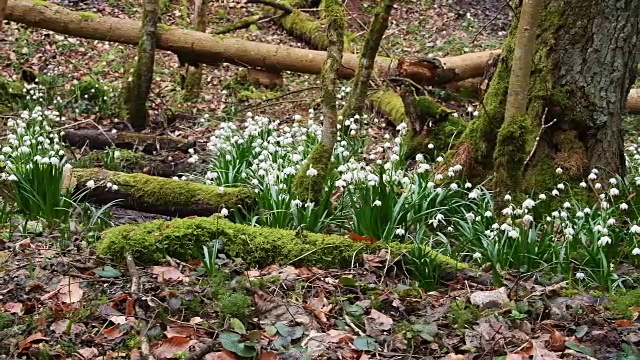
{"x": 580, "y": 276}
{"x": 559, "y": 171}
{"x": 566, "y": 205}
{"x": 594, "y": 171}
{"x": 488, "y": 214}
{"x": 91, "y": 184}
{"x": 114, "y": 187}
{"x": 439, "y": 177}
{"x": 635, "y": 229}
{"x": 400, "y": 232}
{"x": 605, "y": 240}
{"x": 473, "y": 194}
{"x": 457, "y": 168}
{"x": 439, "y": 159}
{"x": 583, "y": 184}
{"x": 430, "y": 146}
{"x": 513, "y": 234}
{"x": 528, "y": 204}
{"x": 611, "y": 221}
{"x": 613, "y": 181}
{"x": 542, "y": 197}
{"x": 527, "y": 219}
{"x": 635, "y": 252}
{"x": 507, "y": 211}
{"x": 507, "y": 197}
{"x": 477, "y": 256}
{"x": 592, "y": 176}
{"x": 468, "y": 185}
{"x": 580, "y": 214}
{"x": 624, "y": 206}
{"x": 560, "y": 186}
{"x": 377, "y": 203}
{"x": 453, "y": 186}
{"x": 419, "y": 158}
{"x": 470, "y": 216}
{"x": 312, "y": 172}
{"x": 614, "y": 192}
{"x": 423, "y": 167}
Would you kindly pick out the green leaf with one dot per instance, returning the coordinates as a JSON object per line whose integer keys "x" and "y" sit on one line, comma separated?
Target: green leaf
{"x": 231, "y": 342}
{"x": 347, "y": 281}
{"x": 107, "y": 272}
{"x": 291, "y": 332}
{"x": 237, "y": 326}
{"x": 581, "y": 331}
{"x": 426, "y": 331}
{"x": 628, "y": 353}
{"x": 254, "y": 336}
{"x": 354, "y": 309}
{"x": 579, "y": 348}
{"x": 365, "y": 343}
{"x": 271, "y": 330}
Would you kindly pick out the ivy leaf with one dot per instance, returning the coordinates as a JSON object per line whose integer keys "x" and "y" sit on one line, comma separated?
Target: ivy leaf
{"x": 231, "y": 342}
{"x": 365, "y": 343}
{"x": 347, "y": 281}
{"x": 579, "y": 348}
{"x": 354, "y": 309}
{"x": 107, "y": 272}
{"x": 426, "y": 331}
{"x": 290, "y": 332}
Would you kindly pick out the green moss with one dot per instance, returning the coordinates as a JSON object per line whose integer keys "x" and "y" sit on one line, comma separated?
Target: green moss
{"x": 310, "y": 188}
{"x": 234, "y": 305}
{"x": 42, "y": 3}
{"x": 148, "y": 242}
{"x": 157, "y": 191}
{"x": 619, "y": 304}
{"x": 388, "y": 103}
{"x": 164, "y": 28}
{"x": 511, "y": 153}
{"x": 10, "y": 96}
{"x": 88, "y": 16}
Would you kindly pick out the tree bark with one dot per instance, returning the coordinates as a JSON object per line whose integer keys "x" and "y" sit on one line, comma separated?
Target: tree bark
{"x": 585, "y": 63}
{"x": 517, "y": 95}
{"x": 136, "y": 91}
{"x": 3, "y": 9}
{"x": 633, "y": 101}
{"x": 146, "y": 143}
{"x": 192, "y": 83}
{"x": 207, "y": 49}
{"x": 356, "y": 100}
{"x": 309, "y": 186}
{"x": 158, "y": 195}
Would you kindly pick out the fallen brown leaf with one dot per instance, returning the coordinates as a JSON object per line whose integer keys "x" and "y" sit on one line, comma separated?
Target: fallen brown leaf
{"x": 88, "y": 353}
{"x": 166, "y": 273}
{"x": 167, "y": 348}
{"x": 69, "y": 290}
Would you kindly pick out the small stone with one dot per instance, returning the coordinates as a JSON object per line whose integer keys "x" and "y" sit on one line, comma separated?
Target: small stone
{"x": 490, "y": 299}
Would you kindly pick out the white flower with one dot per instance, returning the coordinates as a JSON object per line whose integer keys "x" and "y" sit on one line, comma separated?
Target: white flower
{"x": 560, "y": 186}
{"x": 580, "y": 276}
{"x": 430, "y": 146}
{"x": 453, "y": 186}
{"x": 527, "y": 219}
{"x": 566, "y": 205}
{"x": 488, "y": 213}
{"x": 580, "y": 214}
{"x": 542, "y": 197}
{"x": 341, "y": 183}
{"x": 477, "y": 256}
{"x": 613, "y": 181}
{"x": 605, "y": 240}
{"x": 624, "y": 206}
{"x": 598, "y": 186}
{"x": 473, "y": 194}
{"x": 507, "y": 197}
{"x": 468, "y": 185}
{"x": 559, "y": 171}
{"x": 312, "y": 172}
{"x": 377, "y": 203}
{"x": 555, "y": 192}
{"x": 614, "y": 192}
{"x": 528, "y": 204}
{"x": 114, "y": 187}
{"x": 594, "y": 171}
{"x": 439, "y": 159}
{"x": 419, "y": 158}
{"x": 470, "y": 216}
{"x": 583, "y": 184}
{"x": 91, "y": 184}
{"x": 220, "y": 189}
{"x": 635, "y": 229}
{"x": 592, "y": 176}
{"x": 635, "y": 251}
{"x": 513, "y": 234}
{"x": 400, "y": 232}
{"x": 611, "y": 221}
{"x": 507, "y": 211}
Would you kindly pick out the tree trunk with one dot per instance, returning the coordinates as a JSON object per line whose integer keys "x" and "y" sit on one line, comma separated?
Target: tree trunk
{"x": 517, "y": 96}
{"x": 3, "y": 9}
{"x": 146, "y": 143}
{"x": 584, "y": 65}
{"x": 633, "y": 101}
{"x": 207, "y": 49}
{"x": 193, "y": 80}
{"x": 309, "y": 182}
{"x": 379, "y": 24}
{"x": 137, "y": 88}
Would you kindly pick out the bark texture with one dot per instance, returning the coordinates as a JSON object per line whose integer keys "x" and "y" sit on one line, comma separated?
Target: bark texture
{"x": 207, "y": 49}
{"x": 379, "y": 24}
{"x": 136, "y": 91}
{"x": 146, "y": 143}
{"x": 3, "y": 9}
{"x": 584, "y": 65}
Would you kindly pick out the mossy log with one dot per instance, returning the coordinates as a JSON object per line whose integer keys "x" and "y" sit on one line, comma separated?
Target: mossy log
{"x": 164, "y": 164}
{"x": 257, "y": 246}
{"x": 146, "y": 143}
{"x": 158, "y": 195}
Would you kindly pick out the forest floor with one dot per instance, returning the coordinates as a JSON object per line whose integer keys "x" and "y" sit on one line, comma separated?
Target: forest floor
{"x": 59, "y": 300}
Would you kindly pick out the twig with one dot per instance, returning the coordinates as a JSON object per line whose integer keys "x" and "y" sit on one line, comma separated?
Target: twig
{"x": 145, "y": 349}
{"x": 353, "y": 326}
{"x": 475, "y": 37}
{"x": 284, "y": 8}
{"x": 535, "y": 144}
{"x": 207, "y": 348}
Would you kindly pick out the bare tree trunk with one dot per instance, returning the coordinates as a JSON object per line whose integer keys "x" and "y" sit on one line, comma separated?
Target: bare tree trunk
{"x": 193, "y": 80}
{"x": 515, "y": 111}
{"x": 379, "y": 24}
{"x": 3, "y": 9}
{"x": 308, "y": 183}
{"x": 137, "y": 88}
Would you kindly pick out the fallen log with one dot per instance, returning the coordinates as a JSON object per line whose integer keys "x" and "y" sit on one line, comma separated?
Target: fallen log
{"x": 256, "y": 246}
{"x": 167, "y": 165}
{"x": 146, "y": 143}
{"x": 158, "y": 195}
{"x": 208, "y": 49}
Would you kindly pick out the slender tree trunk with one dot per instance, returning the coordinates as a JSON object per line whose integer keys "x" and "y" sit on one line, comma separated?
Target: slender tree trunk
{"x": 193, "y": 80}
{"x": 584, "y": 65}
{"x": 309, "y": 182}
{"x": 138, "y": 86}
{"x": 379, "y": 24}
{"x": 515, "y": 111}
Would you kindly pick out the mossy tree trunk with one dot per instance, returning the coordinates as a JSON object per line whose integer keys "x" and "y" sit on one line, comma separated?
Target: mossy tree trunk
{"x": 379, "y": 24}
{"x": 515, "y": 113}
{"x": 193, "y": 79}
{"x": 584, "y": 65}
{"x": 309, "y": 181}
{"x": 138, "y": 86}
